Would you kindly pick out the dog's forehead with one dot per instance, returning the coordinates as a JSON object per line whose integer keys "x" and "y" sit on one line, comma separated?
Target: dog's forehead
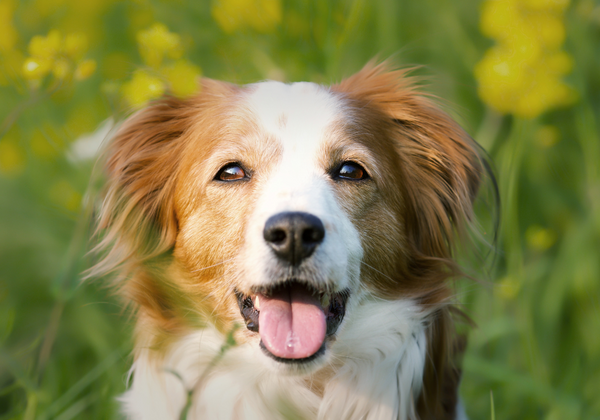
{"x": 298, "y": 115}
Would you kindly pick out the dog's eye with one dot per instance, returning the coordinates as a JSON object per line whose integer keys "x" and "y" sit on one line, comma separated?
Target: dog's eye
{"x": 231, "y": 172}
{"x": 352, "y": 171}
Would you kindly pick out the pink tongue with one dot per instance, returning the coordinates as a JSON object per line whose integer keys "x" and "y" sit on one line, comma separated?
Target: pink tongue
{"x": 291, "y": 323}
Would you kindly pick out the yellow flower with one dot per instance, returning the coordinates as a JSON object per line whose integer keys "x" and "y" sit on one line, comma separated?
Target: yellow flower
{"x": 183, "y": 78}
{"x": 261, "y": 15}
{"x": 540, "y": 238}
{"x": 546, "y": 5}
{"x": 58, "y": 54}
{"x": 142, "y": 88}
{"x": 85, "y": 69}
{"x": 61, "y": 68}
{"x": 43, "y": 50}
{"x": 36, "y": 68}
{"x": 8, "y": 33}
{"x": 522, "y": 73}
{"x": 558, "y": 62}
{"x": 499, "y": 18}
{"x": 155, "y": 45}
{"x": 501, "y": 77}
{"x": 157, "y": 42}
{"x": 45, "y": 47}
{"x": 523, "y": 46}
{"x": 549, "y": 28}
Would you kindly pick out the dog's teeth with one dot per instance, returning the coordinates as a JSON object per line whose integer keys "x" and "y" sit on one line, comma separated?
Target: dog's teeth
{"x": 325, "y": 300}
{"x": 256, "y": 303}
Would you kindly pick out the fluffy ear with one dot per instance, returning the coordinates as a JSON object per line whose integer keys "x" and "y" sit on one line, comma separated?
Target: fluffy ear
{"x": 440, "y": 171}
{"x": 138, "y": 219}
{"x": 440, "y": 166}
{"x": 137, "y": 216}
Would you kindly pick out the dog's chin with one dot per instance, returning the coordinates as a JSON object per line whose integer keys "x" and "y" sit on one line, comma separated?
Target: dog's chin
{"x": 310, "y": 315}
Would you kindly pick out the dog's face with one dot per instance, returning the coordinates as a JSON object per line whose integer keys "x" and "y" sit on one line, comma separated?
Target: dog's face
{"x": 285, "y": 205}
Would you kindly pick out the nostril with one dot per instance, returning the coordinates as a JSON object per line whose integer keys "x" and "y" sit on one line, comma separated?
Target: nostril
{"x": 277, "y": 236}
{"x": 311, "y": 235}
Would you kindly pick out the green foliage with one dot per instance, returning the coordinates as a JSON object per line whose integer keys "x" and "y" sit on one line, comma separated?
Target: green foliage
{"x": 68, "y": 65}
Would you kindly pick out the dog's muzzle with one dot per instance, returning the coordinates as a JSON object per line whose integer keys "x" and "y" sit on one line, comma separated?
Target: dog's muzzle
{"x": 293, "y": 316}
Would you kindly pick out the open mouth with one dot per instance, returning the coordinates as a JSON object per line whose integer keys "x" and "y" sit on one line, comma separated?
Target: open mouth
{"x": 293, "y": 319}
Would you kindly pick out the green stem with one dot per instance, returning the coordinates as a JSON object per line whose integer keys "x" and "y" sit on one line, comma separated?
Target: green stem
{"x": 32, "y": 401}
{"x": 488, "y": 131}
{"x": 49, "y": 338}
{"x": 510, "y": 164}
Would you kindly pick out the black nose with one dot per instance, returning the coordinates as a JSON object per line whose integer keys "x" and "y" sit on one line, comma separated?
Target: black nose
{"x": 294, "y": 235}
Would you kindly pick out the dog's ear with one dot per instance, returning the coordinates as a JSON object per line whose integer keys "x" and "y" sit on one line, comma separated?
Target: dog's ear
{"x": 440, "y": 172}
{"x": 440, "y": 168}
{"x": 138, "y": 218}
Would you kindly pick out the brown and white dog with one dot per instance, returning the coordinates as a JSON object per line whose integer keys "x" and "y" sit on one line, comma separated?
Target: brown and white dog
{"x": 320, "y": 219}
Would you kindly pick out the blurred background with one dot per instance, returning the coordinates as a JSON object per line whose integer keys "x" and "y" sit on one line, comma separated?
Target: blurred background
{"x": 522, "y": 76}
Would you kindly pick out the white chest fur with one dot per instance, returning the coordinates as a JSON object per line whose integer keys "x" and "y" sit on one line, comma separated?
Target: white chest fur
{"x": 379, "y": 357}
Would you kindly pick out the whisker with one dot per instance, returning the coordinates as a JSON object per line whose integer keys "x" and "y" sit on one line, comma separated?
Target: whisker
{"x": 376, "y": 270}
{"x": 214, "y": 265}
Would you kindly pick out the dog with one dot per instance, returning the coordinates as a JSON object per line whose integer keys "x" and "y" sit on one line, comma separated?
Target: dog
{"x": 288, "y": 250}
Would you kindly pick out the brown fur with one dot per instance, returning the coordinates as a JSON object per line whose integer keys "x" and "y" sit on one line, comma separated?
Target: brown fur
{"x": 162, "y": 223}
{"x": 438, "y": 173}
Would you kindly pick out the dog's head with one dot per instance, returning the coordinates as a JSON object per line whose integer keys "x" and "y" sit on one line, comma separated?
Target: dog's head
{"x": 282, "y": 206}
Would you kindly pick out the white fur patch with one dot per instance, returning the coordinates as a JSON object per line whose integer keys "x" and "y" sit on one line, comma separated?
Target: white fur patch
{"x": 297, "y": 113}
{"x": 300, "y": 117}
{"x": 383, "y": 347}
{"x": 381, "y": 357}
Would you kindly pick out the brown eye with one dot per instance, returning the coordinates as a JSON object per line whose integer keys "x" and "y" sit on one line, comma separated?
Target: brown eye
{"x": 352, "y": 171}
{"x": 231, "y": 172}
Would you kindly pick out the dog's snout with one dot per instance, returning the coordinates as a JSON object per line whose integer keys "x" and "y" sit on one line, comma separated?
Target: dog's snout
{"x": 293, "y": 236}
